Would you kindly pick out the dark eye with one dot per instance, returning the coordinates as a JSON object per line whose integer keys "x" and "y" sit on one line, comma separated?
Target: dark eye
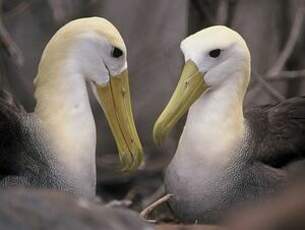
{"x": 116, "y": 52}
{"x": 215, "y": 53}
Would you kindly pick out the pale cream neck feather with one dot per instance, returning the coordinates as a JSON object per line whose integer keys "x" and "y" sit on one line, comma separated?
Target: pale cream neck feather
{"x": 215, "y": 125}
{"x": 65, "y": 113}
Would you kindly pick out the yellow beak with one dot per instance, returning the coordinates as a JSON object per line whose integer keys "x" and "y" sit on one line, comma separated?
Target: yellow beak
{"x": 190, "y": 86}
{"x": 116, "y": 103}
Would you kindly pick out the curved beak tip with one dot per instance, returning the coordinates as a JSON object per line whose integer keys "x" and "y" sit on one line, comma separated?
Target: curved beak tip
{"x": 158, "y": 138}
{"x": 129, "y": 165}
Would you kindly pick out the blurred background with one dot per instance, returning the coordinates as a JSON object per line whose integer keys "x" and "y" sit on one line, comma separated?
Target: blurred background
{"x": 152, "y": 30}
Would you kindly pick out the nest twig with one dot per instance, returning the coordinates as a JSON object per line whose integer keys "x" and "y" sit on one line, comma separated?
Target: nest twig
{"x": 145, "y": 213}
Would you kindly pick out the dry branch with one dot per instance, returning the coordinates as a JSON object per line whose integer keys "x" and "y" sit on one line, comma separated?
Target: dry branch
{"x": 145, "y": 213}
{"x": 269, "y": 89}
{"x": 8, "y": 43}
{"x": 283, "y": 58}
{"x": 203, "y": 11}
{"x": 19, "y": 9}
{"x": 291, "y": 42}
{"x": 222, "y": 12}
{"x": 286, "y": 75}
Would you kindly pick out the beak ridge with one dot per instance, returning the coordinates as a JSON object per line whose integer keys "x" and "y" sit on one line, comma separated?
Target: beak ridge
{"x": 116, "y": 103}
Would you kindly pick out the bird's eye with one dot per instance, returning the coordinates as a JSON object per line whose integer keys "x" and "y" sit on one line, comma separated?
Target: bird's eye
{"x": 215, "y": 53}
{"x": 116, "y": 52}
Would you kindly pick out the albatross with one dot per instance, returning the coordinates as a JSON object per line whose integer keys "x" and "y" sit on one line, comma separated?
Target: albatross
{"x": 54, "y": 146}
{"x": 227, "y": 156}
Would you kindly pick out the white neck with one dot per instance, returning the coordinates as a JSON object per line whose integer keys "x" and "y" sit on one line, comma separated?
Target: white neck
{"x": 64, "y": 109}
{"x": 215, "y": 124}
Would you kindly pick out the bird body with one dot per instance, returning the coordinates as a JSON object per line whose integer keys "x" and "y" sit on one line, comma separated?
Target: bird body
{"x": 226, "y": 156}
{"x": 54, "y": 147}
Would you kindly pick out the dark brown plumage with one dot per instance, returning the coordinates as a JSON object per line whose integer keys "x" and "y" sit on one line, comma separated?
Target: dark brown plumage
{"x": 279, "y": 132}
{"x": 25, "y": 158}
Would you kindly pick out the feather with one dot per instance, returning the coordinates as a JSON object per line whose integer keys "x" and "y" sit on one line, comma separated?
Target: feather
{"x": 279, "y": 131}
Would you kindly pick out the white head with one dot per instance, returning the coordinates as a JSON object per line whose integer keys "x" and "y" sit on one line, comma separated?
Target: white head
{"x": 93, "y": 48}
{"x": 214, "y": 57}
{"x": 218, "y": 52}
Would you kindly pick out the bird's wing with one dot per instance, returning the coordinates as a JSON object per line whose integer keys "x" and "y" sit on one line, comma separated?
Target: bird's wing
{"x": 25, "y": 157}
{"x": 19, "y": 149}
{"x": 8, "y": 98}
{"x": 10, "y": 135}
{"x": 279, "y": 131}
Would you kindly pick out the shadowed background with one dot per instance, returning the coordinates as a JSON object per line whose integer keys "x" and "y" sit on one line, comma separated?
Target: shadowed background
{"x": 152, "y": 30}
